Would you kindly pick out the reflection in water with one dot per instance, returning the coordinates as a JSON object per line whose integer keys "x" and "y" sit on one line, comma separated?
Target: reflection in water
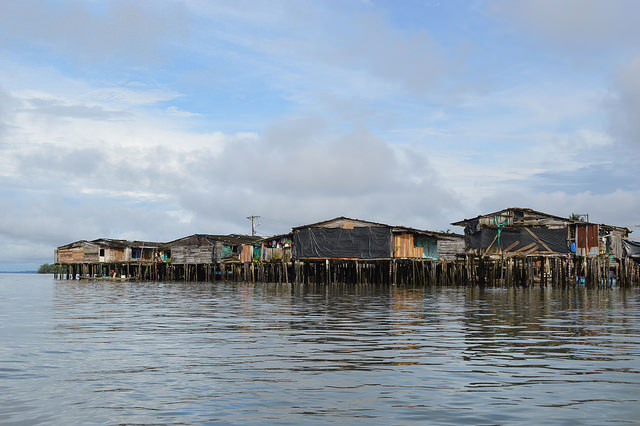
{"x": 267, "y": 353}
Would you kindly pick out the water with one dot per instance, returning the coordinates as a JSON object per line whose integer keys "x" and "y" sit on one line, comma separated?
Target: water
{"x": 83, "y": 352}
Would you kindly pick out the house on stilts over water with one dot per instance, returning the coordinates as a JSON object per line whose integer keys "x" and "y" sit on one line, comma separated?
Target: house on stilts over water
{"x": 514, "y": 246}
{"x": 353, "y": 250}
{"x": 198, "y": 256}
{"x": 542, "y": 243}
{"x": 105, "y": 257}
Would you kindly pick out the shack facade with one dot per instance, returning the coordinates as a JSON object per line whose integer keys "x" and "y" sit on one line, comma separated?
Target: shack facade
{"x": 450, "y": 246}
{"x": 81, "y": 251}
{"x": 347, "y": 238}
{"x": 105, "y": 250}
{"x": 276, "y": 248}
{"x": 522, "y": 232}
{"x": 610, "y": 239}
{"x": 208, "y": 249}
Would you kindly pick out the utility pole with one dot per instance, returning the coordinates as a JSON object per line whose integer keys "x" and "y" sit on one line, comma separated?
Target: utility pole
{"x": 253, "y": 225}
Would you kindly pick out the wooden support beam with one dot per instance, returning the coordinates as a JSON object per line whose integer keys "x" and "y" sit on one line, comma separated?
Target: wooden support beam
{"x": 512, "y": 245}
{"x": 538, "y": 239}
{"x": 525, "y": 248}
{"x": 491, "y": 245}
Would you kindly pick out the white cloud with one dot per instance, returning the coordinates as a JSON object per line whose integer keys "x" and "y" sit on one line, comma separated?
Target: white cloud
{"x": 38, "y": 118}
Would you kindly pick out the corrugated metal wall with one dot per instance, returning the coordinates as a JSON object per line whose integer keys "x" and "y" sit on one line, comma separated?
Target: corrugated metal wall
{"x": 246, "y": 253}
{"x": 587, "y": 241}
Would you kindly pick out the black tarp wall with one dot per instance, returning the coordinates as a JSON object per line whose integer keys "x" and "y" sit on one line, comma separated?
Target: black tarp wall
{"x": 359, "y": 243}
{"x": 555, "y": 239}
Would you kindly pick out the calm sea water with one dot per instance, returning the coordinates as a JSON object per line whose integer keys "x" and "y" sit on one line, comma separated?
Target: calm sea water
{"x": 82, "y": 352}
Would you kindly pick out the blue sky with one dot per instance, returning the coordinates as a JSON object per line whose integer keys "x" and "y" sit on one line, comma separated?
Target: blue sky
{"x": 157, "y": 119}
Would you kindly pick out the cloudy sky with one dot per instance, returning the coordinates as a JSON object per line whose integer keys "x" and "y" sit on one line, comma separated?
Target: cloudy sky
{"x": 157, "y": 119}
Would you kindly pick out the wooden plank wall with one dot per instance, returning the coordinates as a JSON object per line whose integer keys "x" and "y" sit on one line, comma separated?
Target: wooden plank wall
{"x": 404, "y": 247}
{"x": 192, "y": 254}
{"x": 450, "y": 249}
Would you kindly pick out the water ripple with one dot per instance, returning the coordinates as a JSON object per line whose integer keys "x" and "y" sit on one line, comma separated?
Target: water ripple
{"x": 190, "y": 353}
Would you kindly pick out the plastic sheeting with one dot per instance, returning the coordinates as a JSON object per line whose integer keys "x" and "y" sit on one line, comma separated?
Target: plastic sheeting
{"x": 358, "y": 243}
{"x": 631, "y": 249}
{"x": 517, "y": 238}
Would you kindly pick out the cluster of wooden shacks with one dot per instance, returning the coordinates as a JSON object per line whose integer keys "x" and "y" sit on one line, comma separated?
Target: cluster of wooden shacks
{"x": 514, "y": 246}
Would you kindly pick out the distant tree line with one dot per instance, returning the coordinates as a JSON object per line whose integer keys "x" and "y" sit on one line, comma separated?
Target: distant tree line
{"x": 46, "y": 268}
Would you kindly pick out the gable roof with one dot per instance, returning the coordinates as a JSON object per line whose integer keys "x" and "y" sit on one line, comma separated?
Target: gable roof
{"x": 75, "y": 244}
{"x": 394, "y": 229}
{"x": 519, "y": 209}
{"x": 339, "y": 219}
{"x": 538, "y": 213}
{"x": 198, "y": 239}
{"x": 110, "y": 242}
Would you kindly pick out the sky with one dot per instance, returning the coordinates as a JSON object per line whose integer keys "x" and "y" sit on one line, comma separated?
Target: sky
{"x": 153, "y": 120}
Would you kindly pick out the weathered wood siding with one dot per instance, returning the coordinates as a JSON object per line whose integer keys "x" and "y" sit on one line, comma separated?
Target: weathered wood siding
{"x": 407, "y": 245}
{"x": 344, "y": 223}
{"x": 188, "y": 254}
{"x": 81, "y": 252}
{"x": 449, "y": 249}
{"x": 403, "y": 247}
{"x": 524, "y": 217}
{"x": 194, "y": 249}
{"x": 116, "y": 255}
{"x": 276, "y": 253}
{"x": 71, "y": 255}
{"x": 612, "y": 244}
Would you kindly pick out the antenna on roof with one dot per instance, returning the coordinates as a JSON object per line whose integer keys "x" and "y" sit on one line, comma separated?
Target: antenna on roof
{"x": 253, "y": 224}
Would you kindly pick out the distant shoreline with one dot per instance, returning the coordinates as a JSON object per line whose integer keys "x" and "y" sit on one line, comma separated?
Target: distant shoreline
{"x": 18, "y": 272}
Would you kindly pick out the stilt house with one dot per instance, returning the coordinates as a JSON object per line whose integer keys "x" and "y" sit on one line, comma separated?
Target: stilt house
{"x": 208, "y": 249}
{"x": 105, "y": 250}
{"x": 522, "y": 231}
{"x": 346, "y": 238}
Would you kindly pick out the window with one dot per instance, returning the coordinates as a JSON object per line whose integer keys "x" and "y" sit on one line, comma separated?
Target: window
{"x": 101, "y": 252}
